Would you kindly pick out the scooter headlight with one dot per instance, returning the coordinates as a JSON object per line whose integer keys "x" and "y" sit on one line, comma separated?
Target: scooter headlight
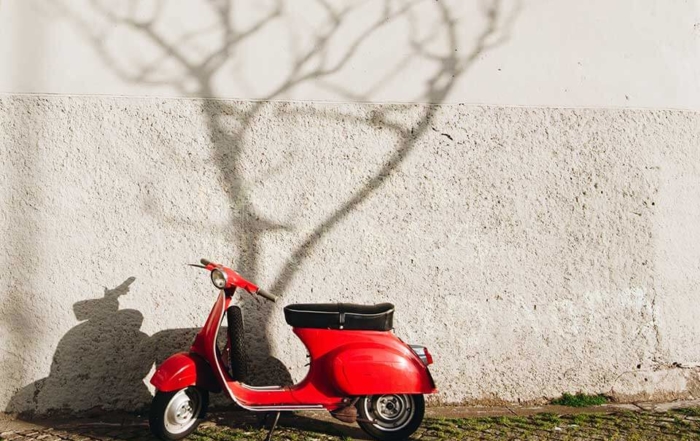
{"x": 219, "y": 279}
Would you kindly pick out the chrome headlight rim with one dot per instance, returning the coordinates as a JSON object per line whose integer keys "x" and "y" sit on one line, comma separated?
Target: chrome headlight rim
{"x": 219, "y": 278}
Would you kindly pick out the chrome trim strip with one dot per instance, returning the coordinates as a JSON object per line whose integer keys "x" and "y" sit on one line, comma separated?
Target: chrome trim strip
{"x": 361, "y": 314}
{"x": 369, "y": 315}
{"x": 268, "y": 388}
{"x": 287, "y": 407}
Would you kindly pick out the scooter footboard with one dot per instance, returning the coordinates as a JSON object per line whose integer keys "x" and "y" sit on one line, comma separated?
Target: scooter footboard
{"x": 373, "y": 371}
{"x": 183, "y": 370}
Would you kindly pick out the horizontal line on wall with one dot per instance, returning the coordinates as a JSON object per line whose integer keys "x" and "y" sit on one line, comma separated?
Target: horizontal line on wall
{"x": 378, "y": 103}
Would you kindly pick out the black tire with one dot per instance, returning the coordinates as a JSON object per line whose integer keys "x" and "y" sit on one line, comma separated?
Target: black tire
{"x": 239, "y": 370}
{"x": 164, "y": 415}
{"x": 396, "y": 417}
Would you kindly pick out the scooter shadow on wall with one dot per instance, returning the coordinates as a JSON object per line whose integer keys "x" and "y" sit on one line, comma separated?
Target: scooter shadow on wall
{"x": 101, "y": 363}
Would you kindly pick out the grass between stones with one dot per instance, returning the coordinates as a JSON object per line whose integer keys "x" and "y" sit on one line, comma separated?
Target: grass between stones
{"x": 580, "y": 400}
{"x": 689, "y": 411}
{"x": 681, "y": 424}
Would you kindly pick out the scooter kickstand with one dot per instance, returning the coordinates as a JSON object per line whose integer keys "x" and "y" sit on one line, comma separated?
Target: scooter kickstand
{"x": 272, "y": 429}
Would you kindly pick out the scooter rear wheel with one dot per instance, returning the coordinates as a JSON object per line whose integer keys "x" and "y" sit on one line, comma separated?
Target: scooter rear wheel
{"x": 174, "y": 415}
{"x": 393, "y": 417}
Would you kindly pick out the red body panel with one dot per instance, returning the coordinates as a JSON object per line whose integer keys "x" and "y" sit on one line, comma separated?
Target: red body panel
{"x": 365, "y": 362}
{"x": 182, "y": 370}
{"x": 343, "y": 364}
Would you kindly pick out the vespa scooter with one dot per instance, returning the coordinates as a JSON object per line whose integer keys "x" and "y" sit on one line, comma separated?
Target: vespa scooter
{"x": 359, "y": 370}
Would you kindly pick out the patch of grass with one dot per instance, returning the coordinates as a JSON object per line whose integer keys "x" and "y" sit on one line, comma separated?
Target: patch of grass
{"x": 546, "y": 420}
{"x": 218, "y": 435}
{"x": 634, "y": 437}
{"x": 550, "y": 417}
{"x": 689, "y": 411}
{"x": 450, "y": 430}
{"x": 580, "y": 400}
{"x": 438, "y": 424}
{"x": 478, "y": 424}
{"x": 681, "y": 422}
{"x": 582, "y": 418}
{"x": 518, "y": 420}
{"x": 503, "y": 421}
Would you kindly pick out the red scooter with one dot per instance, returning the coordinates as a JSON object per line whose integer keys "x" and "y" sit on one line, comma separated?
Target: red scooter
{"x": 360, "y": 371}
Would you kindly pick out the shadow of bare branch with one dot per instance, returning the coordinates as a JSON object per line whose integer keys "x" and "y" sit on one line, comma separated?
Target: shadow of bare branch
{"x": 192, "y": 73}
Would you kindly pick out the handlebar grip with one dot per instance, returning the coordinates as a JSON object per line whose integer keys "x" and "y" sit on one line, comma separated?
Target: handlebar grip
{"x": 205, "y": 262}
{"x": 262, "y": 293}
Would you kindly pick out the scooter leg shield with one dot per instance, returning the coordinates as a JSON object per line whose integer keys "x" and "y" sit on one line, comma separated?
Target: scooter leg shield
{"x": 182, "y": 370}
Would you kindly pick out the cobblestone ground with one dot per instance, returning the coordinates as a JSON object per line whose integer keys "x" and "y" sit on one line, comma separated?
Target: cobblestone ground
{"x": 679, "y": 424}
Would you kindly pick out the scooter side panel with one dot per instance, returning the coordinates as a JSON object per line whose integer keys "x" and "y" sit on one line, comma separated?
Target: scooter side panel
{"x": 379, "y": 370}
{"x": 183, "y": 370}
{"x": 364, "y": 363}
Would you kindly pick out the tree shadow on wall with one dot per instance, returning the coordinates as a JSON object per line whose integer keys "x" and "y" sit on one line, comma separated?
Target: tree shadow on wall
{"x": 433, "y": 37}
{"x": 100, "y": 364}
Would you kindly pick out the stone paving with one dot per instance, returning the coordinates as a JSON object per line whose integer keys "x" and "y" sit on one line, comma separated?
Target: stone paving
{"x": 639, "y": 425}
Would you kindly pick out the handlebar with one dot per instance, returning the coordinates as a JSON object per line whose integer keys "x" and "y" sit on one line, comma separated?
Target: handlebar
{"x": 239, "y": 281}
{"x": 262, "y": 293}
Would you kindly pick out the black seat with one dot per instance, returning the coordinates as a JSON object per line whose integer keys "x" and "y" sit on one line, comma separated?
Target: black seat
{"x": 347, "y": 316}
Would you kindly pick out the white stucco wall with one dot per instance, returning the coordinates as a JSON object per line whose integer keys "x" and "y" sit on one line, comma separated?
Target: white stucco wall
{"x": 533, "y": 251}
{"x": 626, "y": 53}
{"x": 535, "y": 248}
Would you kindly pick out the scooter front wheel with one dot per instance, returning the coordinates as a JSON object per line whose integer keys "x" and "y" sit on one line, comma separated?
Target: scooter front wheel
{"x": 391, "y": 417}
{"x": 174, "y": 415}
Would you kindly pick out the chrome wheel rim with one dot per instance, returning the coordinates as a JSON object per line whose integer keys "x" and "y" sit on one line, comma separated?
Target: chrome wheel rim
{"x": 390, "y": 412}
{"x": 182, "y": 411}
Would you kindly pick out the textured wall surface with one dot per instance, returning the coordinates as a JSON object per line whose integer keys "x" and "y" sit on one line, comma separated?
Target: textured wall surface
{"x": 533, "y": 250}
{"x": 626, "y": 53}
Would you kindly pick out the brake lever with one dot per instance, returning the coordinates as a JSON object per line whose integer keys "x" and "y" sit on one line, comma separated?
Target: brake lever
{"x": 196, "y": 265}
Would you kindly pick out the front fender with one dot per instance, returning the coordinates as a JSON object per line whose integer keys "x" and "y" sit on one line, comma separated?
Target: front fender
{"x": 183, "y": 370}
